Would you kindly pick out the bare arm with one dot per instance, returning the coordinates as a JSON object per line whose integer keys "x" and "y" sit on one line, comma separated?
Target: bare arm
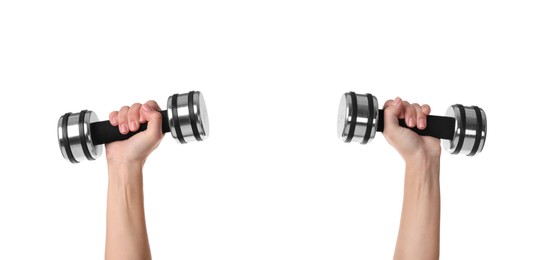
{"x": 418, "y": 237}
{"x": 126, "y": 228}
{"x": 420, "y": 219}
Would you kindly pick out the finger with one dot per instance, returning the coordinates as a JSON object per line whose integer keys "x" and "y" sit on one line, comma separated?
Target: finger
{"x": 122, "y": 120}
{"x": 113, "y": 118}
{"x": 426, "y": 109}
{"x": 152, "y": 105}
{"x": 133, "y": 117}
{"x": 388, "y": 103}
{"x": 421, "y": 117}
{"x": 410, "y": 115}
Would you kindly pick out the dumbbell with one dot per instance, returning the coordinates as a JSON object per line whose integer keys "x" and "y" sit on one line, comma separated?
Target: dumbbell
{"x": 463, "y": 130}
{"x": 81, "y": 136}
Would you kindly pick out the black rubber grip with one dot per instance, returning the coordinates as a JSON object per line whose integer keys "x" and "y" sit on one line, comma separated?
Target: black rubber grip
{"x": 103, "y": 132}
{"x": 441, "y": 127}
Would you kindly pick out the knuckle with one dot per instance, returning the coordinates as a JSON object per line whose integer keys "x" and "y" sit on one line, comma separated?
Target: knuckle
{"x": 156, "y": 115}
{"x": 122, "y": 116}
{"x": 389, "y": 109}
{"x": 124, "y": 108}
{"x": 410, "y": 111}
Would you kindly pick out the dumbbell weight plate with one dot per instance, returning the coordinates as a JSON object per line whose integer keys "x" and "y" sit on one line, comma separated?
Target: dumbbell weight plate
{"x": 357, "y": 118}
{"x": 470, "y": 130}
{"x": 191, "y": 112}
{"x": 74, "y": 136}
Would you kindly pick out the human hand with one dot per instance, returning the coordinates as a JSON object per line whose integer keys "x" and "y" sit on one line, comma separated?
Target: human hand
{"x": 137, "y": 148}
{"x": 409, "y": 144}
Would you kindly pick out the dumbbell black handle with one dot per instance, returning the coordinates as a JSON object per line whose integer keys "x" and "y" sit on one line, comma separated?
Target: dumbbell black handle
{"x": 441, "y": 127}
{"x": 103, "y": 132}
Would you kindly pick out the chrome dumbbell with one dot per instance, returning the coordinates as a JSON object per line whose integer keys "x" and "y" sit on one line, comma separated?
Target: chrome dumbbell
{"x": 463, "y": 130}
{"x": 81, "y": 136}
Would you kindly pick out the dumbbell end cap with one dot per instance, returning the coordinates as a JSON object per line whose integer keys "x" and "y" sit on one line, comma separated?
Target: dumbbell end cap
{"x": 343, "y": 117}
{"x": 202, "y": 122}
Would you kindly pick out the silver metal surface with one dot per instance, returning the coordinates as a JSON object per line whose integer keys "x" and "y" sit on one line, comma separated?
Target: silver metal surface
{"x": 363, "y": 117}
{"x": 73, "y": 136}
{"x": 470, "y": 129}
{"x": 183, "y": 116}
{"x": 94, "y": 150}
{"x": 451, "y": 145}
{"x": 344, "y": 117}
{"x": 202, "y": 119}
{"x": 60, "y": 138}
{"x": 483, "y": 131}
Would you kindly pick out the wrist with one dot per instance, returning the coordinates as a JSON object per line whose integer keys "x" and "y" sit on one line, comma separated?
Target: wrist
{"x": 423, "y": 165}
{"x": 125, "y": 163}
{"x": 123, "y": 171}
{"x": 423, "y": 155}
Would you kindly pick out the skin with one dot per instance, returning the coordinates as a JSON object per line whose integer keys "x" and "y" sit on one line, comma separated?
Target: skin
{"x": 419, "y": 233}
{"x": 126, "y": 229}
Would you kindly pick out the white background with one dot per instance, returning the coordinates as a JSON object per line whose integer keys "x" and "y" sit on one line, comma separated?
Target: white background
{"x": 273, "y": 181}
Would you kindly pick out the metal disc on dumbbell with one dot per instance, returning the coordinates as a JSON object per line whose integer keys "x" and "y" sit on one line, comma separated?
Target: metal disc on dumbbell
{"x": 80, "y": 136}
{"x": 470, "y": 130}
{"x": 357, "y": 118}
{"x": 74, "y": 135}
{"x": 187, "y": 115}
{"x": 463, "y": 130}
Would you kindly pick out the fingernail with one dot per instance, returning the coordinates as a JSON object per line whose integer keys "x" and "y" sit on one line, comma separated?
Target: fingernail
{"x": 411, "y": 122}
{"x": 133, "y": 126}
{"x": 146, "y": 108}
{"x": 115, "y": 121}
{"x": 421, "y": 123}
{"x": 124, "y": 129}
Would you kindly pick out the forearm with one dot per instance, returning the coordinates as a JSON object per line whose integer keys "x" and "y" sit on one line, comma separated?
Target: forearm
{"x": 126, "y": 229}
{"x": 420, "y": 220}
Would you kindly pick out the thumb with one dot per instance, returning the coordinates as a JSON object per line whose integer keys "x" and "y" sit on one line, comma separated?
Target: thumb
{"x": 392, "y": 110}
{"x": 150, "y": 113}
